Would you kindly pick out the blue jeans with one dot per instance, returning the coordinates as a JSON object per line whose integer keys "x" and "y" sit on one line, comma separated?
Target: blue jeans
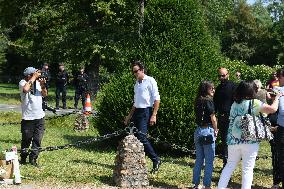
{"x": 203, "y": 152}
{"x": 141, "y": 118}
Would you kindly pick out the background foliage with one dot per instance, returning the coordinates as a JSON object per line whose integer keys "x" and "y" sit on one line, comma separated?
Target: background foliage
{"x": 182, "y": 43}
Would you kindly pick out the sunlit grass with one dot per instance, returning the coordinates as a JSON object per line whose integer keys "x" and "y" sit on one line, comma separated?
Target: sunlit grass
{"x": 93, "y": 164}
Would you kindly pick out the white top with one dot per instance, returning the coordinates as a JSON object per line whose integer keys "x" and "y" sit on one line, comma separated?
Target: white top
{"x": 280, "y": 115}
{"x": 146, "y": 92}
{"x": 31, "y": 102}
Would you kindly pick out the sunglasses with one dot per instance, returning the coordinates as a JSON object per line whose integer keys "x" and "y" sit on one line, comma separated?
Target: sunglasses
{"x": 222, "y": 75}
{"x": 135, "y": 71}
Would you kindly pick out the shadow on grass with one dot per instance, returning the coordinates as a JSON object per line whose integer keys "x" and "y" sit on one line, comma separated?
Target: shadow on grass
{"x": 107, "y": 145}
{"x": 107, "y": 180}
{"x": 177, "y": 162}
{"x": 10, "y": 141}
{"x": 266, "y": 172}
{"x": 162, "y": 184}
{"x": 94, "y": 163}
{"x": 234, "y": 185}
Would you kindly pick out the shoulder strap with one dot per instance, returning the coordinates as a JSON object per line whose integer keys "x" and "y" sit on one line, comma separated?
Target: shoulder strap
{"x": 250, "y": 106}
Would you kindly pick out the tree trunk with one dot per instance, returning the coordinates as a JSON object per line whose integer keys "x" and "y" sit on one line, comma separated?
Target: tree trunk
{"x": 141, "y": 15}
{"x": 93, "y": 73}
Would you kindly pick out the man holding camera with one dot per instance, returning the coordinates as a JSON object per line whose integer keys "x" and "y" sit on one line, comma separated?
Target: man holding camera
{"x": 32, "y": 89}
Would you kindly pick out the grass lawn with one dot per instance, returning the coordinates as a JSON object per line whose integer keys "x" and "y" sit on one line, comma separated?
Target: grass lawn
{"x": 9, "y": 94}
{"x": 93, "y": 164}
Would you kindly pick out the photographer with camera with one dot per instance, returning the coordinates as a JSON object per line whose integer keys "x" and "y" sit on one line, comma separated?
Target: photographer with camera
{"x": 81, "y": 87}
{"x": 32, "y": 89}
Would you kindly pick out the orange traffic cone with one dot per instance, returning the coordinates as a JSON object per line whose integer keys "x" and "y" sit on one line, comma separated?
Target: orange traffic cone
{"x": 88, "y": 105}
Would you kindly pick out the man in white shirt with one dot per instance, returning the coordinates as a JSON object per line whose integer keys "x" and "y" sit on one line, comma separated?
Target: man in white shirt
{"x": 32, "y": 89}
{"x": 144, "y": 109}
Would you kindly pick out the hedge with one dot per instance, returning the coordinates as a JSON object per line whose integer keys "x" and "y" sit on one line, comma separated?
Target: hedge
{"x": 179, "y": 53}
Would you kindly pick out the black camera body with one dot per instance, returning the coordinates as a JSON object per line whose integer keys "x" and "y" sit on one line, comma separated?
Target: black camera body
{"x": 43, "y": 75}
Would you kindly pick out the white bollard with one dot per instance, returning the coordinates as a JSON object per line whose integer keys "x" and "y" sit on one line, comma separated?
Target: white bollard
{"x": 16, "y": 170}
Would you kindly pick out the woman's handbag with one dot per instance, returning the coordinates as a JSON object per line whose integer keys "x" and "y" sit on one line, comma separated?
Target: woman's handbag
{"x": 255, "y": 128}
{"x": 205, "y": 140}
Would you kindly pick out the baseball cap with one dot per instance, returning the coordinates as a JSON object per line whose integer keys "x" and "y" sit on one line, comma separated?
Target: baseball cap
{"x": 29, "y": 71}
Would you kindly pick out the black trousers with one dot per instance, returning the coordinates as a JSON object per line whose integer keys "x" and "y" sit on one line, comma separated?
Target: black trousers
{"x": 141, "y": 118}
{"x": 275, "y": 160}
{"x": 32, "y": 133}
{"x": 80, "y": 92}
{"x": 223, "y": 125}
{"x": 280, "y": 151}
{"x": 63, "y": 90}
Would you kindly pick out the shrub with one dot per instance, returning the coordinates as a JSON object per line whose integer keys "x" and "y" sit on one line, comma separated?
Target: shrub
{"x": 178, "y": 52}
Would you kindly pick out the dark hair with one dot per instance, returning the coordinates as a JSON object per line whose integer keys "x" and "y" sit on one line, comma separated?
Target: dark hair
{"x": 138, "y": 63}
{"x": 202, "y": 93}
{"x": 280, "y": 72}
{"x": 245, "y": 90}
{"x": 203, "y": 89}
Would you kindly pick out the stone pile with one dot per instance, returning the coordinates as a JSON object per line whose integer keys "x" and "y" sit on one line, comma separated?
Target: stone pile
{"x": 81, "y": 123}
{"x": 130, "y": 164}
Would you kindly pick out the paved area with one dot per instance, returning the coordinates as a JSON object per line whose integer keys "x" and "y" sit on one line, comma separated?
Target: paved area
{"x": 17, "y": 108}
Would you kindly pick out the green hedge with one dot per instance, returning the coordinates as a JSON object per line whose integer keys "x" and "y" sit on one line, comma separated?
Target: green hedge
{"x": 261, "y": 72}
{"x": 179, "y": 53}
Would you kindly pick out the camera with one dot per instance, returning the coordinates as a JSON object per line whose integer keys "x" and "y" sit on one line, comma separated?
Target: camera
{"x": 43, "y": 75}
{"x": 45, "y": 106}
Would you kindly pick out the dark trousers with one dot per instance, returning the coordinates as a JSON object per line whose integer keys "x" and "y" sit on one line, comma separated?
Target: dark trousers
{"x": 32, "y": 133}
{"x": 280, "y": 151}
{"x": 141, "y": 118}
{"x": 63, "y": 90}
{"x": 80, "y": 93}
{"x": 275, "y": 160}
{"x": 223, "y": 125}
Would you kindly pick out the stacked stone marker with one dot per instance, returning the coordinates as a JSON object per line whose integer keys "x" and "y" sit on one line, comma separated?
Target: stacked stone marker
{"x": 130, "y": 164}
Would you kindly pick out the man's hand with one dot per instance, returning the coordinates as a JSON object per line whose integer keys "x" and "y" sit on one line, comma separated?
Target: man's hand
{"x": 274, "y": 129}
{"x": 153, "y": 120}
{"x": 42, "y": 82}
{"x": 126, "y": 120}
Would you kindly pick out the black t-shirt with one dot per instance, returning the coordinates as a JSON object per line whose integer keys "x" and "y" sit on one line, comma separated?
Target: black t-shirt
{"x": 204, "y": 108}
{"x": 224, "y": 97}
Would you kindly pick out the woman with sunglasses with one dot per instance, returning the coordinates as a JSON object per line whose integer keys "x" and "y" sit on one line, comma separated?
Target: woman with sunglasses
{"x": 205, "y": 134}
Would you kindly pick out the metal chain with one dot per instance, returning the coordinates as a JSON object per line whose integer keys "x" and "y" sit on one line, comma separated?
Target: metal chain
{"x": 46, "y": 119}
{"x": 186, "y": 150}
{"x": 10, "y": 123}
{"x": 77, "y": 144}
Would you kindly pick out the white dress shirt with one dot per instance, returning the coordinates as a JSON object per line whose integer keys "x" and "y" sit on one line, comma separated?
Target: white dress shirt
{"x": 145, "y": 92}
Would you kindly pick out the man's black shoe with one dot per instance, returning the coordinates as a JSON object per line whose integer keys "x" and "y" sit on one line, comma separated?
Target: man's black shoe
{"x": 33, "y": 162}
{"x": 156, "y": 166}
{"x": 23, "y": 161}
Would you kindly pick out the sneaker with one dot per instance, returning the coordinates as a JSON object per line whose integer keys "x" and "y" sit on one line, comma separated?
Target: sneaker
{"x": 23, "y": 161}
{"x": 275, "y": 186}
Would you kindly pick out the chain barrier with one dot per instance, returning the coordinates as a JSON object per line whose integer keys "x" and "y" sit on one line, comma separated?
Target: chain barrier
{"x": 77, "y": 144}
{"x": 186, "y": 150}
{"x": 46, "y": 119}
{"x": 131, "y": 129}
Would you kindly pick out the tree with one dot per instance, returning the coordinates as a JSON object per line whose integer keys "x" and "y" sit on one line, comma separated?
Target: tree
{"x": 92, "y": 33}
{"x": 247, "y": 35}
